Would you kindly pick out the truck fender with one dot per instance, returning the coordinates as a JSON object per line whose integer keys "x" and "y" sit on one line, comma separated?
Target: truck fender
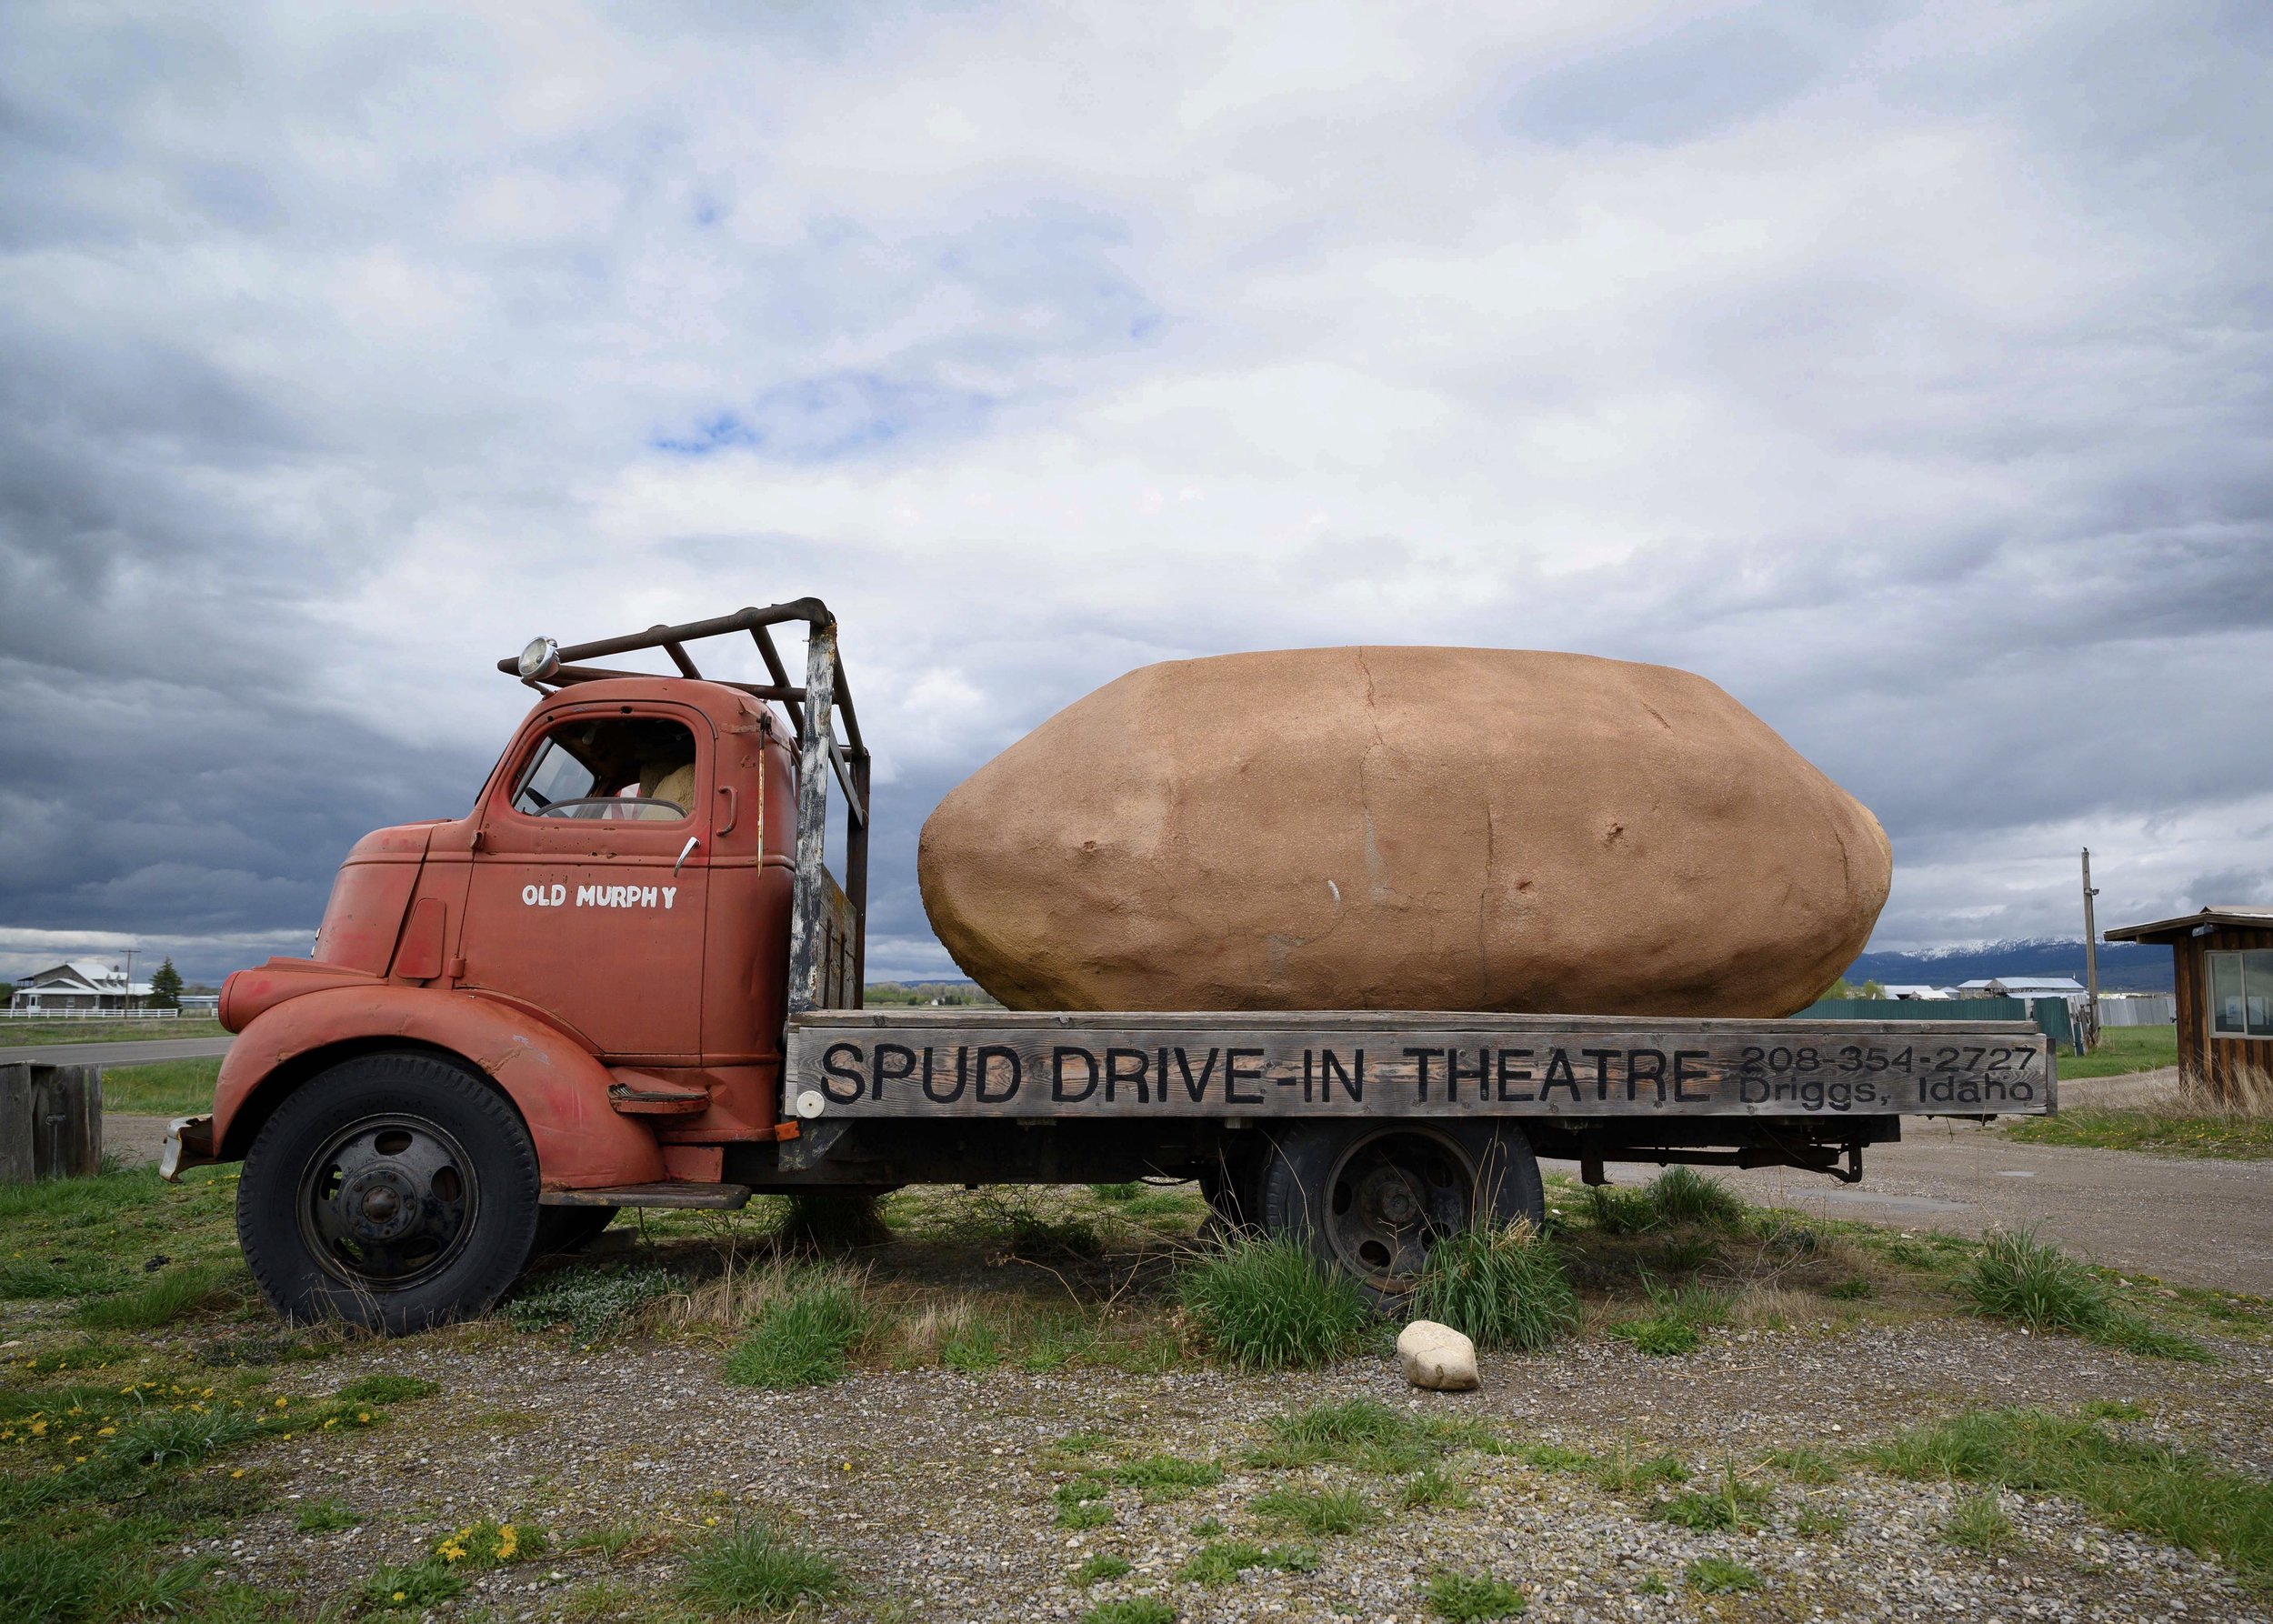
{"x": 560, "y": 1087}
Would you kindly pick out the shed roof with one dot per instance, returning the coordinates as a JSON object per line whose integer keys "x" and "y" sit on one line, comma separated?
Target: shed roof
{"x": 2186, "y": 925}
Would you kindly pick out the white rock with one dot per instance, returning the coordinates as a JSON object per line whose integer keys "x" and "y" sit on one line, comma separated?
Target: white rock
{"x": 1436, "y": 1356}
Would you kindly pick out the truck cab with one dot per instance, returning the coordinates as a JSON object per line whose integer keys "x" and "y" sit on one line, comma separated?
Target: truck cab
{"x": 569, "y": 999}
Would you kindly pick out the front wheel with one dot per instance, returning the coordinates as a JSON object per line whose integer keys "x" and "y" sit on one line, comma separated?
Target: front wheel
{"x": 1371, "y": 1197}
{"x": 393, "y": 1192}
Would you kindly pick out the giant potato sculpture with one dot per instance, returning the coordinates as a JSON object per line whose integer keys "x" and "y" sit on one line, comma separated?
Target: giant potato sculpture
{"x": 1412, "y": 829}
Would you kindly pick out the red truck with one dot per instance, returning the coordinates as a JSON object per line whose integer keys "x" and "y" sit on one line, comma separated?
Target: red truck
{"x": 626, "y": 977}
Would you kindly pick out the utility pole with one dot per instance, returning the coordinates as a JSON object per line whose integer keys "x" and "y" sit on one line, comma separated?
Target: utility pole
{"x": 2091, "y": 948}
{"x": 127, "y": 998}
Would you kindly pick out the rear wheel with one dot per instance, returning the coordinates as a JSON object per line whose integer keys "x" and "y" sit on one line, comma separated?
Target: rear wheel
{"x": 1371, "y": 1197}
{"x": 394, "y": 1191}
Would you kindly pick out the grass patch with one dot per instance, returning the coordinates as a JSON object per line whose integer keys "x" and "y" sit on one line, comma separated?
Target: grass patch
{"x": 177, "y": 1294}
{"x": 326, "y": 1516}
{"x": 386, "y": 1388}
{"x": 1815, "y": 1520}
{"x": 1677, "y": 1318}
{"x": 1502, "y": 1286}
{"x": 1100, "y": 1567}
{"x": 411, "y": 1589}
{"x": 1134, "y": 1609}
{"x": 1802, "y": 1466}
{"x": 1319, "y": 1512}
{"x": 1166, "y": 1477}
{"x": 1087, "y": 1514}
{"x": 1432, "y": 1486}
{"x": 2015, "y": 1277}
{"x": 2122, "y": 1050}
{"x": 2156, "y": 1133}
{"x": 1979, "y": 1523}
{"x": 756, "y": 1569}
{"x": 1627, "y": 1473}
{"x": 1470, "y": 1597}
{"x": 18, "y": 1030}
{"x": 2174, "y": 1495}
{"x": 1364, "y": 1434}
{"x": 1720, "y": 1576}
{"x": 804, "y": 1336}
{"x": 1685, "y": 1195}
{"x": 1265, "y": 1304}
{"x": 1220, "y": 1561}
{"x": 591, "y": 1302}
{"x": 1729, "y": 1502}
{"x": 163, "y": 1089}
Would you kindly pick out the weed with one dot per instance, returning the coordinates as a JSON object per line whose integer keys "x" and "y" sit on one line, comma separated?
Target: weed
{"x": 1165, "y": 1204}
{"x": 1319, "y": 1512}
{"x": 804, "y": 1336}
{"x": 491, "y": 1544}
{"x": 1080, "y": 1490}
{"x": 1627, "y": 1473}
{"x": 1134, "y": 1609}
{"x": 412, "y": 1588}
{"x": 2174, "y": 1495}
{"x": 173, "y": 1295}
{"x": 1362, "y": 1433}
{"x": 1117, "y": 1192}
{"x": 1685, "y": 1195}
{"x": 1166, "y": 1477}
{"x": 1653, "y": 1584}
{"x": 1081, "y": 1443}
{"x": 1094, "y": 1514}
{"x": 1470, "y": 1597}
{"x": 1819, "y": 1521}
{"x": 1979, "y": 1523}
{"x": 2157, "y": 1133}
{"x": 2015, "y": 1277}
{"x": 326, "y": 1516}
{"x": 1554, "y": 1458}
{"x": 386, "y": 1388}
{"x": 1857, "y": 1289}
{"x": 1207, "y": 1527}
{"x": 1502, "y": 1285}
{"x": 1617, "y": 1211}
{"x": 591, "y": 1302}
{"x": 1220, "y": 1561}
{"x": 755, "y": 1568}
{"x": 1100, "y": 1567}
{"x": 1677, "y": 1318}
{"x": 1802, "y": 1466}
{"x": 1729, "y": 1503}
{"x": 1432, "y": 1486}
{"x": 1716, "y": 1576}
{"x": 43, "y": 1579}
{"x": 833, "y": 1221}
{"x": 1268, "y": 1304}
{"x": 180, "y": 1436}
{"x": 974, "y": 1348}
{"x": 613, "y": 1540}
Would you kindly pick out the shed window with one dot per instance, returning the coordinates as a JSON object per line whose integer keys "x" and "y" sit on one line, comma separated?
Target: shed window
{"x": 2241, "y": 994}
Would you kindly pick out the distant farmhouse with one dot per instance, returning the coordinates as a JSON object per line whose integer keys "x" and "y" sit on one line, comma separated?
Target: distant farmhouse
{"x": 82, "y": 986}
{"x": 2025, "y": 987}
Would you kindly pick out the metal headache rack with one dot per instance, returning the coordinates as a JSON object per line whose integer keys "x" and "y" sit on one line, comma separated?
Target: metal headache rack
{"x": 828, "y": 925}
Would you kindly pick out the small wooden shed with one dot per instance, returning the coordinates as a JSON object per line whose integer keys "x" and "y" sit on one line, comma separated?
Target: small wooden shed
{"x": 2223, "y": 977}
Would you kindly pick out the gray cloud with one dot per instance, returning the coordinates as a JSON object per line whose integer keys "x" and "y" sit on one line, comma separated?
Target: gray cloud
{"x": 1905, "y": 369}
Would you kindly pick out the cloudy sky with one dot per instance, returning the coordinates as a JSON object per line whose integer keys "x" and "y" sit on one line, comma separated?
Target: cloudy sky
{"x": 1903, "y": 367}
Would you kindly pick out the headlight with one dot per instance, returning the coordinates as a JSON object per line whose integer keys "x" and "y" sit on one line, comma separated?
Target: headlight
{"x": 540, "y": 659}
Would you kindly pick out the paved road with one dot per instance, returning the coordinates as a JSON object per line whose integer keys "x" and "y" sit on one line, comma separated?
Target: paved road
{"x": 2192, "y": 1221}
{"x": 137, "y": 1052}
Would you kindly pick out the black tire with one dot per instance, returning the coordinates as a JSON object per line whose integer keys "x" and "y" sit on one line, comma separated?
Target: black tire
{"x": 1368, "y": 1198}
{"x": 561, "y": 1229}
{"x": 393, "y": 1192}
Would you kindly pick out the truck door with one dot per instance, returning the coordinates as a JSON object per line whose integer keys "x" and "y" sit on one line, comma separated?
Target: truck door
{"x": 591, "y": 878}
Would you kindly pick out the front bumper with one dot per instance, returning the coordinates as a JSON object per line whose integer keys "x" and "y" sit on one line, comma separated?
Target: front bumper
{"x": 188, "y": 1144}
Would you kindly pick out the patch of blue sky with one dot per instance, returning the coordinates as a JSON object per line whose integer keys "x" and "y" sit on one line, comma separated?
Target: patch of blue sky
{"x": 840, "y": 415}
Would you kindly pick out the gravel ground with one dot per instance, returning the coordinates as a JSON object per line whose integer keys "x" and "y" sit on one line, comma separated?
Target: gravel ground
{"x": 932, "y": 1488}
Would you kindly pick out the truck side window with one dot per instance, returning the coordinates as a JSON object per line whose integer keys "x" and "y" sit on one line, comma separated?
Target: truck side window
{"x": 616, "y": 769}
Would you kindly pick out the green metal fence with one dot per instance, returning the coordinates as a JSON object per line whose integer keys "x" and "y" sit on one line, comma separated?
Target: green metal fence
{"x": 2051, "y": 1015}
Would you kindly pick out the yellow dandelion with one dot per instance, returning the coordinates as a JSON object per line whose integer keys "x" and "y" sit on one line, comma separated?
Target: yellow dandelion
{"x": 363, "y": 1414}
{"x": 39, "y": 1430}
{"x": 398, "y": 1596}
{"x": 104, "y": 1431}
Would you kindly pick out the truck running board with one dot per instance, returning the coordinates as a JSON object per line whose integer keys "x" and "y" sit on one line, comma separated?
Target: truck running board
{"x": 723, "y": 1197}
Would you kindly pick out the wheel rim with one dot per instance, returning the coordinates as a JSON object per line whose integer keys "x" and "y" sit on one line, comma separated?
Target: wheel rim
{"x": 1389, "y": 1198}
{"x": 387, "y": 1202}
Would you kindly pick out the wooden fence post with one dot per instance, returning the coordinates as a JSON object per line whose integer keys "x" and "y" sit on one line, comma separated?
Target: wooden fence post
{"x": 51, "y": 1122}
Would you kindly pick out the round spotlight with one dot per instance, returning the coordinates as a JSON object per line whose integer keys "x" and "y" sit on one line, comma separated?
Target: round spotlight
{"x": 540, "y": 659}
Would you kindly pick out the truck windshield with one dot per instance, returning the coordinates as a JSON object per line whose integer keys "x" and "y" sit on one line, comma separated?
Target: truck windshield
{"x": 616, "y": 768}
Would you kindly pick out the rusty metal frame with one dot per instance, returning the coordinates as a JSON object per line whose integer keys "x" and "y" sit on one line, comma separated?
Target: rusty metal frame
{"x": 824, "y": 696}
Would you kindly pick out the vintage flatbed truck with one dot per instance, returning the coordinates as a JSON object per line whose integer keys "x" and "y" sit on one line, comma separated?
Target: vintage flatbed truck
{"x": 626, "y": 978}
